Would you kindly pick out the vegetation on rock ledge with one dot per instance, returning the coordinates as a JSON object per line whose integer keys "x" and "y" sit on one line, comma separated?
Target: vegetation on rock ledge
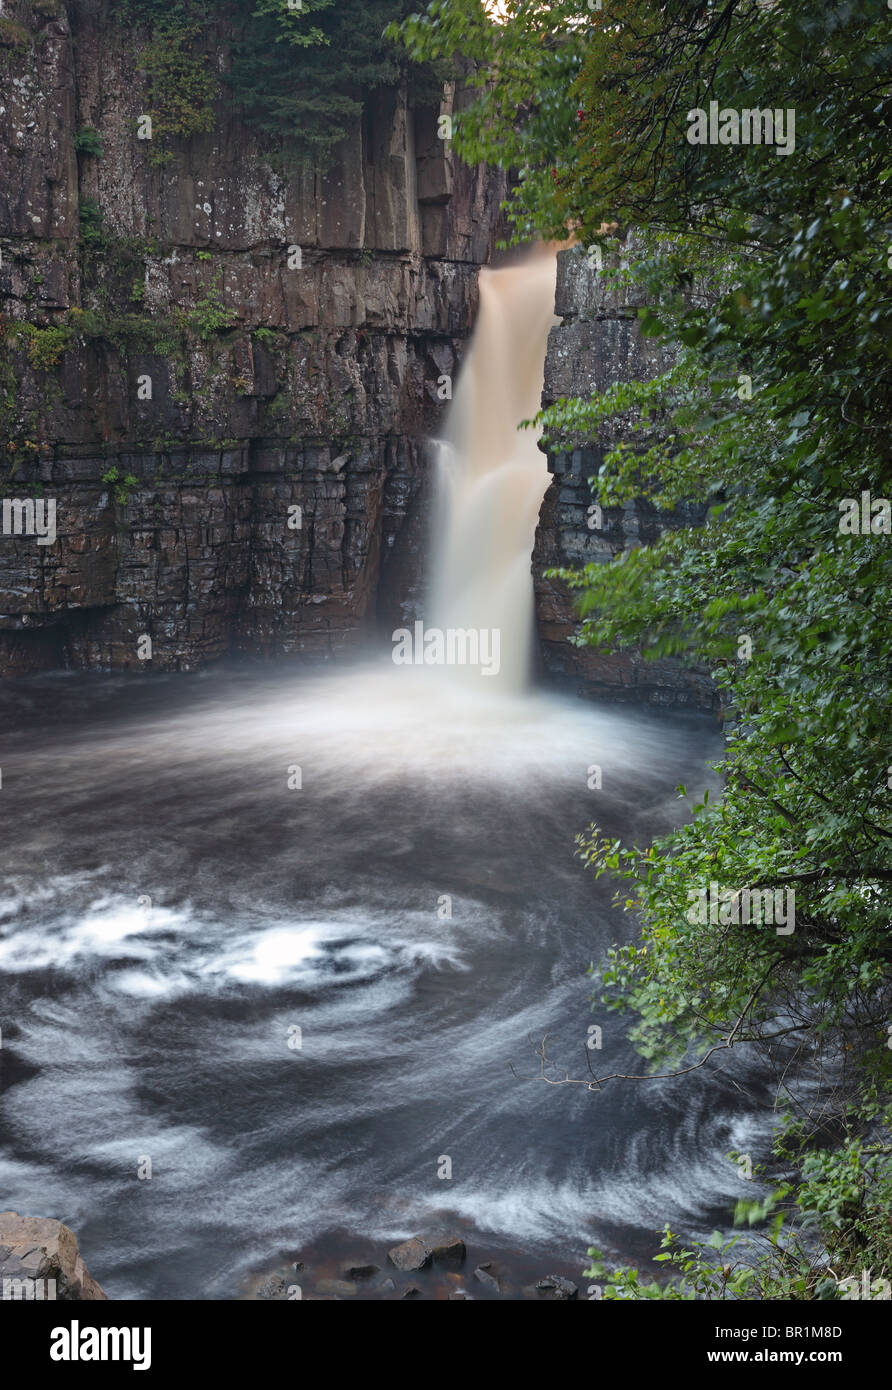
{"x": 300, "y": 75}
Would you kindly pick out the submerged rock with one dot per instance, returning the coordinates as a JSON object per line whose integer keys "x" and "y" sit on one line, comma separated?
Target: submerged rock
{"x": 340, "y": 1288}
{"x": 445, "y": 1249}
{"x": 555, "y": 1287}
{"x": 420, "y": 1251}
{"x": 489, "y": 1281}
{"x": 355, "y": 1269}
{"x": 411, "y": 1255}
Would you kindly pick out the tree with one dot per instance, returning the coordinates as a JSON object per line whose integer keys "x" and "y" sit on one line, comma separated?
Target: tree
{"x": 767, "y": 272}
{"x": 305, "y": 85}
{"x": 300, "y": 73}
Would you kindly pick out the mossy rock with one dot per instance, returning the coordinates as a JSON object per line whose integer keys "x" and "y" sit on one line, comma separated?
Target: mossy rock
{"x": 13, "y": 35}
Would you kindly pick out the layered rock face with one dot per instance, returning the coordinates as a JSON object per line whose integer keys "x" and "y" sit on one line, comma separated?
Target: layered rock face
{"x": 230, "y": 369}
{"x": 597, "y": 344}
{"x": 40, "y": 1261}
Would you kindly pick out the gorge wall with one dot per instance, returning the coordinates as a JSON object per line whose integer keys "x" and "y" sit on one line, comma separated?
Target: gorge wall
{"x": 194, "y": 350}
{"x": 598, "y": 343}
{"x": 222, "y": 373}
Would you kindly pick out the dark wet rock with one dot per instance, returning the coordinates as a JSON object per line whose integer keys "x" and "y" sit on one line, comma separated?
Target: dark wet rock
{"x": 412, "y": 1291}
{"x": 555, "y": 1287}
{"x": 356, "y": 1269}
{"x": 440, "y": 1248}
{"x": 411, "y": 1255}
{"x": 445, "y": 1249}
{"x": 489, "y": 1281}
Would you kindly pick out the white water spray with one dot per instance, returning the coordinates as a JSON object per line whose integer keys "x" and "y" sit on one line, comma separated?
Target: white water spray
{"x": 491, "y": 476}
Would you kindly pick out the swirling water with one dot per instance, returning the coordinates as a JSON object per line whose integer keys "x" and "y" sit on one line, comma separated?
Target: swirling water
{"x": 294, "y": 939}
{"x": 172, "y": 909}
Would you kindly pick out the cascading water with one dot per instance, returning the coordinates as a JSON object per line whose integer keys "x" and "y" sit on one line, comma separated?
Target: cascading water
{"x": 491, "y": 476}
{"x": 298, "y": 994}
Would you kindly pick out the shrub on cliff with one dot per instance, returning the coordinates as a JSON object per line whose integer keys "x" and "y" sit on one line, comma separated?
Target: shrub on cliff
{"x": 300, "y": 74}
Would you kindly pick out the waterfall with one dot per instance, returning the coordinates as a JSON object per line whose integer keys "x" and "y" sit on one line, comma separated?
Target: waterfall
{"x": 491, "y": 477}
{"x": 332, "y": 917}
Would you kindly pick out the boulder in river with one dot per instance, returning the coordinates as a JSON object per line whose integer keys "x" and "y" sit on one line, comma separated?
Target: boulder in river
{"x": 555, "y": 1287}
{"x": 358, "y": 1269}
{"x": 489, "y": 1281}
{"x": 411, "y": 1255}
{"x": 418, "y": 1252}
{"x": 445, "y": 1249}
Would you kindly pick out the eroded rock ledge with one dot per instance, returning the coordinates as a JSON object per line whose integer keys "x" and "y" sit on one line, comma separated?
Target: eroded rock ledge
{"x": 39, "y": 1260}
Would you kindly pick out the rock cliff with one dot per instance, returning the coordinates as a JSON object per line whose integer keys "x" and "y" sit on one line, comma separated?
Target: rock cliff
{"x": 598, "y": 343}
{"x": 219, "y": 372}
{"x": 40, "y": 1261}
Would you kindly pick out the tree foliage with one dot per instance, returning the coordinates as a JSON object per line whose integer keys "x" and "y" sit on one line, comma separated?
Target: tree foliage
{"x": 304, "y": 84}
{"x": 767, "y": 279}
{"x": 300, "y": 75}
